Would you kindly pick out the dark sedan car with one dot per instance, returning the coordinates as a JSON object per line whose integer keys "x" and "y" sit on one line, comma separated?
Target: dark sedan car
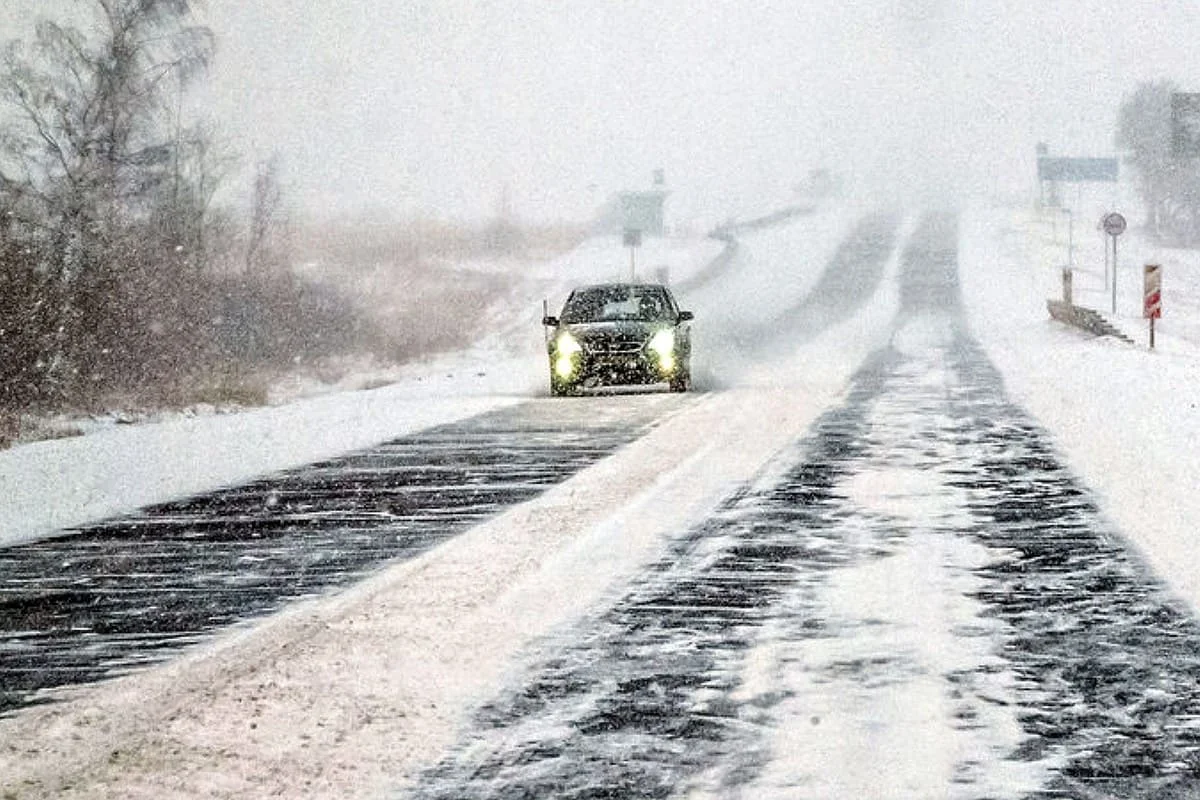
{"x": 620, "y": 334}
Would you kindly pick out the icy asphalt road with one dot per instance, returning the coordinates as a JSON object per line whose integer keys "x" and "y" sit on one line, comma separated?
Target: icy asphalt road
{"x": 914, "y": 600}
{"x": 108, "y": 598}
{"x": 917, "y": 600}
{"x": 111, "y": 597}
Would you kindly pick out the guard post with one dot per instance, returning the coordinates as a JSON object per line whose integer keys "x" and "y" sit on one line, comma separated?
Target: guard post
{"x": 633, "y": 240}
{"x": 1152, "y": 295}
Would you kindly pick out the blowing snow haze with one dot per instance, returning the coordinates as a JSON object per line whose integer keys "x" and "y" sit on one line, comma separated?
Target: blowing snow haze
{"x": 442, "y": 107}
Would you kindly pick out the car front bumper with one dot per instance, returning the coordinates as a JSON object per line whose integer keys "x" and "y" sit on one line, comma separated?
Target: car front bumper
{"x": 601, "y": 369}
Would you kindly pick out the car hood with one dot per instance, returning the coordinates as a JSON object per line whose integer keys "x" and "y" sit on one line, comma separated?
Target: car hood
{"x": 622, "y": 330}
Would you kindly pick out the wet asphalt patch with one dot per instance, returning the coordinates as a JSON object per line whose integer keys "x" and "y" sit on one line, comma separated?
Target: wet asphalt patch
{"x": 1066, "y": 635}
{"x": 128, "y": 592}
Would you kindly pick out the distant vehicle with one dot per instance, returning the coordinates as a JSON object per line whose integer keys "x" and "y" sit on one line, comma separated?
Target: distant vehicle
{"x": 620, "y": 334}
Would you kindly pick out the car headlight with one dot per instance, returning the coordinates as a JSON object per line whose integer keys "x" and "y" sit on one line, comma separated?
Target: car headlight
{"x": 566, "y": 352}
{"x": 564, "y": 367}
{"x": 663, "y": 344}
{"x": 567, "y": 345}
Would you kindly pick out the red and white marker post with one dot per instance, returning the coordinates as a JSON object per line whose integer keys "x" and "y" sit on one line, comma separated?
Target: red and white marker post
{"x": 1152, "y": 295}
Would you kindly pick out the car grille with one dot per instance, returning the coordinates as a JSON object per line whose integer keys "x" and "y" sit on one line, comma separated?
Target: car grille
{"x": 616, "y": 345}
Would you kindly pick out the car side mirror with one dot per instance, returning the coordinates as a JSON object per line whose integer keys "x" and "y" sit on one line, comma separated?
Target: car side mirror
{"x": 549, "y": 321}
{"x": 686, "y": 316}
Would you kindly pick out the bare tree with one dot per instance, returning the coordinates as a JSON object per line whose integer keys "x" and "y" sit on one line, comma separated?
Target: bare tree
{"x": 1168, "y": 183}
{"x": 109, "y": 234}
{"x": 266, "y": 243}
{"x": 92, "y": 134}
{"x": 91, "y": 152}
{"x": 184, "y": 214}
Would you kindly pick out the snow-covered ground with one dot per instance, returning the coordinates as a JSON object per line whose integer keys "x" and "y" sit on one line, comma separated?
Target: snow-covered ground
{"x": 386, "y": 670}
{"x": 775, "y": 266}
{"x": 413, "y": 648}
{"x": 51, "y": 485}
{"x": 1124, "y": 416}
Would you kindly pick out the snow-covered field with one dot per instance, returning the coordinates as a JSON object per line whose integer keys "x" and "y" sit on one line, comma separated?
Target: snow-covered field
{"x": 386, "y": 670}
{"x": 1124, "y": 416}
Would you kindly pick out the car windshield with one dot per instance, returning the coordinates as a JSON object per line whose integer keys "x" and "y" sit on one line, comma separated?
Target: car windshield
{"x": 611, "y": 303}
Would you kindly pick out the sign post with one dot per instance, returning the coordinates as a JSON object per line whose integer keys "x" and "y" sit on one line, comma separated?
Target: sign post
{"x": 1114, "y": 226}
{"x": 1105, "y": 235}
{"x": 633, "y": 240}
{"x": 1070, "y": 238}
{"x": 1152, "y": 295}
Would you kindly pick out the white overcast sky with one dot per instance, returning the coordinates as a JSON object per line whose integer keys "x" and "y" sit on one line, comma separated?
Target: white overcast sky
{"x": 436, "y": 105}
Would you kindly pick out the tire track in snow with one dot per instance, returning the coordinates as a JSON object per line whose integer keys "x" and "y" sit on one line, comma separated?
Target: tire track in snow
{"x": 643, "y": 702}
{"x": 639, "y": 698}
{"x": 850, "y": 279}
{"x": 917, "y": 600}
{"x": 1107, "y": 659}
{"x": 740, "y": 334}
{"x": 126, "y": 593}
{"x": 129, "y": 592}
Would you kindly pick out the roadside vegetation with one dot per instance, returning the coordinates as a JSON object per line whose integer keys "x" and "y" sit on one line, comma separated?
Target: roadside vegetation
{"x": 1167, "y": 169}
{"x": 126, "y": 285}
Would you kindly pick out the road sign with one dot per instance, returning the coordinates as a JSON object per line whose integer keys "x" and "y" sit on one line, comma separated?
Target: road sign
{"x": 1152, "y": 291}
{"x": 1113, "y": 224}
{"x": 1078, "y": 170}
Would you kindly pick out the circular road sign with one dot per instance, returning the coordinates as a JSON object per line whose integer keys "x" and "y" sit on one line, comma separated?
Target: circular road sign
{"x": 1114, "y": 224}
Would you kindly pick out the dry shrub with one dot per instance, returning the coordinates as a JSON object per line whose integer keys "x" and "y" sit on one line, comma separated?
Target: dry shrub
{"x": 143, "y": 327}
{"x": 30, "y": 304}
{"x": 10, "y": 428}
{"x": 231, "y": 388}
{"x": 409, "y": 280}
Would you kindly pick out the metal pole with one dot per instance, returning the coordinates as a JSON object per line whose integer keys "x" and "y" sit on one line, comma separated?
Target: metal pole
{"x": 1070, "y": 239}
{"x": 1105, "y": 260}
{"x": 1114, "y": 276}
{"x": 632, "y": 265}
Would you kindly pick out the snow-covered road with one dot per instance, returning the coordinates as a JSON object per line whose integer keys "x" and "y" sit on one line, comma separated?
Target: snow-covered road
{"x": 918, "y": 601}
{"x": 853, "y": 568}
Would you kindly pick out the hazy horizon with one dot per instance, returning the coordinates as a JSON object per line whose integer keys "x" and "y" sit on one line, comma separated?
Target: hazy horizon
{"x": 440, "y": 107}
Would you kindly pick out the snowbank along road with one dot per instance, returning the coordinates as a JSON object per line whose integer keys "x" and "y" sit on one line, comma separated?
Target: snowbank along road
{"x": 914, "y": 599}
{"x": 101, "y": 600}
{"x": 98, "y": 601}
{"x": 917, "y": 600}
